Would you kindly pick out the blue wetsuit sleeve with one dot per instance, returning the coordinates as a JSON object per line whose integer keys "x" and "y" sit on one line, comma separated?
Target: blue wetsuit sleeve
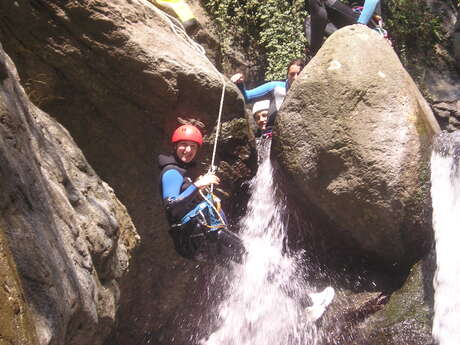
{"x": 260, "y": 92}
{"x": 172, "y": 181}
{"x": 177, "y": 204}
{"x": 368, "y": 11}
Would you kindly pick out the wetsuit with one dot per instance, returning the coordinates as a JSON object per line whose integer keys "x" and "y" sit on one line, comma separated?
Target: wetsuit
{"x": 190, "y": 217}
{"x": 275, "y": 91}
{"x": 335, "y": 12}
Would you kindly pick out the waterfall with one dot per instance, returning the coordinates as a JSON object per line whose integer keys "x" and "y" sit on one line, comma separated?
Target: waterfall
{"x": 267, "y": 296}
{"x": 445, "y": 192}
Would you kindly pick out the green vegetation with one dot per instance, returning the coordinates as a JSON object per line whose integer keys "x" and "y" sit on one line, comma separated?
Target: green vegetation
{"x": 271, "y": 30}
{"x": 415, "y": 30}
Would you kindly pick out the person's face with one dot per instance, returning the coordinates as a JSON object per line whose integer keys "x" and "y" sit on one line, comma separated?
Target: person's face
{"x": 186, "y": 150}
{"x": 261, "y": 118}
{"x": 293, "y": 73}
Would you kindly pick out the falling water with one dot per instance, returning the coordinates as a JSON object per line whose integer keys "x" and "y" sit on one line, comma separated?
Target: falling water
{"x": 445, "y": 192}
{"x": 265, "y": 304}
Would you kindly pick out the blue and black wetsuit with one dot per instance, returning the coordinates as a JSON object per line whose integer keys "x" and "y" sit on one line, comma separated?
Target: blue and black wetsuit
{"x": 196, "y": 229}
{"x": 334, "y": 11}
{"x": 275, "y": 91}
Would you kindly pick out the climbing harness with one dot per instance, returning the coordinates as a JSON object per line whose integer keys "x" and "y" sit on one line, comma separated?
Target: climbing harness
{"x": 213, "y": 220}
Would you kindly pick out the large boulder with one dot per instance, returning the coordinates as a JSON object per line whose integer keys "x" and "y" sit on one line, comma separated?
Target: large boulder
{"x": 70, "y": 236}
{"x": 116, "y": 76}
{"x": 354, "y": 134}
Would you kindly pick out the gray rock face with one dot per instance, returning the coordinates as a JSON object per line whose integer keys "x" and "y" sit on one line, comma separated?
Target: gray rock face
{"x": 70, "y": 236}
{"x": 116, "y": 76}
{"x": 354, "y": 134}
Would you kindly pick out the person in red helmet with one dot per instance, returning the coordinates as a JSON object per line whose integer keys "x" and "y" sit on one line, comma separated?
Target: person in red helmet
{"x": 198, "y": 226}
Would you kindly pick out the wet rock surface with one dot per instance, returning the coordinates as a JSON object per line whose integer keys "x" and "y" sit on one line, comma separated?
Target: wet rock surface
{"x": 408, "y": 315}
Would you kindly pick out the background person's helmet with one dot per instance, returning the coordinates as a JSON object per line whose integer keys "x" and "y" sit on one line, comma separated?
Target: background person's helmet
{"x": 260, "y": 105}
{"x": 187, "y": 132}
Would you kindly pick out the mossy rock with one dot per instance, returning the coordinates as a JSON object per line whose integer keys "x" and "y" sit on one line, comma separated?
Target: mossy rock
{"x": 407, "y": 317}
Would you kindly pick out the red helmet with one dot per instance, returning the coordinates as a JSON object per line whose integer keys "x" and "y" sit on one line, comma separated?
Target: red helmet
{"x": 187, "y": 132}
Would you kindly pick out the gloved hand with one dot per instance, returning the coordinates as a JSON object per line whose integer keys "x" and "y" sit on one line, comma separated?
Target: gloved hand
{"x": 237, "y": 78}
{"x": 206, "y": 180}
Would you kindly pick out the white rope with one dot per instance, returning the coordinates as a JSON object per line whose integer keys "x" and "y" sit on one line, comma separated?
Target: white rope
{"x": 179, "y": 30}
{"x": 218, "y": 126}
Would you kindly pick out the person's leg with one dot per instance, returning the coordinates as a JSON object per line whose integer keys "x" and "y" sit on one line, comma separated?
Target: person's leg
{"x": 231, "y": 245}
{"x": 340, "y": 14}
{"x": 318, "y": 24}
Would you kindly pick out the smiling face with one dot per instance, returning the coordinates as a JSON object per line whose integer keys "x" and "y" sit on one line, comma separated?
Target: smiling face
{"x": 261, "y": 118}
{"x": 186, "y": 150}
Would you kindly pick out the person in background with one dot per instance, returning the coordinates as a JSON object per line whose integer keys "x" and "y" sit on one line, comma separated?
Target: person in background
{"x": 197, "y": 224}
{"x": 260, "y": 114}
{"x": 275, "y": 91}
{"x": 336, "y": 12}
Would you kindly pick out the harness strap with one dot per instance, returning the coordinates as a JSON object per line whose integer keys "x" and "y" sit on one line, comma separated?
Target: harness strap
{"x": 200, "y": 207}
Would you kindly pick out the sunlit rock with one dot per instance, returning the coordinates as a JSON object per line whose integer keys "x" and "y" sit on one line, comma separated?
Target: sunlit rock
{"x": 354, "y": 134}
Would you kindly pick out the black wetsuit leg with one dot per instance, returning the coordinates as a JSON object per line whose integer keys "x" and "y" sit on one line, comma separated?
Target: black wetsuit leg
{"x": 318, "y": 24}
{"x": 323, "y": 11}
{"x": 340, "y": 14}
{"x": 230, "y": 245}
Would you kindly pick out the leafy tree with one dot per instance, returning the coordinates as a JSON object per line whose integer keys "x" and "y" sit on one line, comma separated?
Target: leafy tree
{"x": 271, "y": 29}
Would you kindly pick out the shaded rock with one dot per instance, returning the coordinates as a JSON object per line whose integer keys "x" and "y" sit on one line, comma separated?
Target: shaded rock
{"x": 16, "y": 326}
{"x": 116, "y": 76}
{"x": 342, "y": 320}
{"x": 442, "y": 113}
{"x": 407, "y": 317}
{"x": 451, "y": 107}
{"x": 400, "y": 317}
{"x": 355, "y": 140}
{"x": 454, "y": 122}
{"x": 70, "y": 236}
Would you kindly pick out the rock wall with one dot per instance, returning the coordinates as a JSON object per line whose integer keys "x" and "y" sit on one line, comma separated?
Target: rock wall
{"x": 16, "y": 326}
{"x": 70, "y": 236}
{"x": 116, "y": 76}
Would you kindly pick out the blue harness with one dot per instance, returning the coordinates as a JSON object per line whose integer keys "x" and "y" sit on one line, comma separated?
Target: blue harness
{"x": 210, "y": 215}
